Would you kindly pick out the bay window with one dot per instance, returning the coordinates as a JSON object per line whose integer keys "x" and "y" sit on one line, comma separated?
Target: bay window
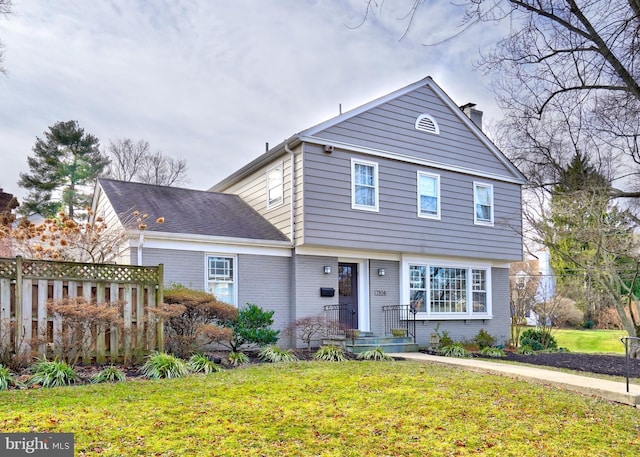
{"x": 443, "y": 291}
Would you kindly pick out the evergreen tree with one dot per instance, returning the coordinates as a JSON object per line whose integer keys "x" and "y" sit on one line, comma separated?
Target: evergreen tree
{"x": 64, "y": 164}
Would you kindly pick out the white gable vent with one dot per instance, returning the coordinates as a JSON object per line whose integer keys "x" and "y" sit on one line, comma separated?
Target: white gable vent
{"x": 428, "y": 124}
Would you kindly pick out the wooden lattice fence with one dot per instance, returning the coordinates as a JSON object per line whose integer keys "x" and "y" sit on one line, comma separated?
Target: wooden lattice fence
{"x": 26, "y": 287}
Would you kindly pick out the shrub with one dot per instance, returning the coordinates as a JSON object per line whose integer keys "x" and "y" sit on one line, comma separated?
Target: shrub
{"x": 374, "y": 354}
{"x": 275, "y": 354}
{"x": 608, "y": 318}
{"x": 330, "y": 353}
{"x": 492, "y": 352}
{"x": 81, "y": 322}
{"x": 53, "y": 373}
{"x": 109, "y": 374}
{"x": 454, "y": 350}
{"x": 538, "y": 339}
{"x": 200, "y": 363}
{"x": 445, "y": 339}
{"x": 160, "y": 365}
{"x": 532, "y": 344}
{"x": 251, "y": 326}
{"x": 6, "y": 378}
{"x": 238, "y": 358}
{"x": 188, "y": 317}
{"x": 567, "y": 314}
{"x": 19, "y": 356}
{"x": 484, "y": 339}
{"x": 308, "y": 328}
{"x": 525, "y": 349}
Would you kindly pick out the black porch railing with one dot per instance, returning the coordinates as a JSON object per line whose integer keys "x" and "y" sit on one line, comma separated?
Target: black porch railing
{"x": 400, "y": 320}
{"x": 340, "y": 318}
{"x": 631, "y": 348}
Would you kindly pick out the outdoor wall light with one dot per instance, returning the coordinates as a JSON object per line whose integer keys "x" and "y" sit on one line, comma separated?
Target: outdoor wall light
{"x": 381, "y": 272}
{"x": 327, "y": 269}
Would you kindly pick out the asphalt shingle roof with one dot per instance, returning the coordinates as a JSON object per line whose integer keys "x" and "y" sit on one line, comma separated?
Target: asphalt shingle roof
{"x": 190, "y": 211}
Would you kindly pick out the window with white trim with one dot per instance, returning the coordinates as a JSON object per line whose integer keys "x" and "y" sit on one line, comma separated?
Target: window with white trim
{"x": 428, "y": 195}
{"x": 483, "y": 203}
{"x": 364, "y": 185}
{"x": 275, "y": 187}
{"x": 449, "y": 291}
{"x": 221, "y": 278}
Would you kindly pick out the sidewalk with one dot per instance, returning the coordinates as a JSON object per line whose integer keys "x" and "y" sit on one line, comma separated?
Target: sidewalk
{"x": 602, "y": 388}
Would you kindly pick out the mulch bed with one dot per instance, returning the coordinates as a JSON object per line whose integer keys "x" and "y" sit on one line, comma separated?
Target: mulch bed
{"x": 613, "y": 365}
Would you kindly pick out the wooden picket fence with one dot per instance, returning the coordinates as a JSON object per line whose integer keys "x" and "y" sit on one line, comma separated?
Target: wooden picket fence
{"x": 27, "y": 286}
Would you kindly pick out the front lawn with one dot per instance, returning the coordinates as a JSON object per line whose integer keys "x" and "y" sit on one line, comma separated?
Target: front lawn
{"x": 327, "y": 409}
{"x": 591, "y": 341}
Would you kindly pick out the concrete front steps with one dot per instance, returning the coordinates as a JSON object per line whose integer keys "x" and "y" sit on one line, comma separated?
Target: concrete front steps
{"x": 366, "y": 341}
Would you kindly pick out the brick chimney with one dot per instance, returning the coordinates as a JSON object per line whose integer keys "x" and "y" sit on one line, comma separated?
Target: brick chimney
{"x": 473, "y": 114}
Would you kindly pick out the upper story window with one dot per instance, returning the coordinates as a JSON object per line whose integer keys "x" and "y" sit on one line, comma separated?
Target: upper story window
{"x": 221, "y": 278}
{"x": 427, "y": 123}
{"x": 428, "y": 195}
{"x": 483, "y": 203}
{"x": 275, "y": 190}
{"x": 364, "y": 185}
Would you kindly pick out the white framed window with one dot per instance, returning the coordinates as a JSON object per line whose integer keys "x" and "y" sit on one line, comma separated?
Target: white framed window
{"x": 364, "y": 185}
{"x": 221, "y": 277}
{"x": 275, "y": 186}
{"x": 428, "y": 195}
{"x": 483, "y": 203}
{"x": 440, "y": 291}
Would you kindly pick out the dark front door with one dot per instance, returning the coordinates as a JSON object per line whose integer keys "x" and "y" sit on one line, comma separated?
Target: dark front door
{"x": 348, "y": 294}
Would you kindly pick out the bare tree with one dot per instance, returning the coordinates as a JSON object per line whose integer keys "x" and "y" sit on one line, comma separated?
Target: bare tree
{"x": 127, "y": 158}
{"x": 5, "y": 9}
{"x": 133, "y": 161}
{"x": 161, "y": 170}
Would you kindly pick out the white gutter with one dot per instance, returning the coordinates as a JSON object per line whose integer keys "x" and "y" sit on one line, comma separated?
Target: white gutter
{"x": 159, "y": 236}
{"x": 293, "y": 192}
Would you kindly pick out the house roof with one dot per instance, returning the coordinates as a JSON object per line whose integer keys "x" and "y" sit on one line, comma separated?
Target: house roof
{"x": 308, "y": 135}
{"x": 188, "y": 211}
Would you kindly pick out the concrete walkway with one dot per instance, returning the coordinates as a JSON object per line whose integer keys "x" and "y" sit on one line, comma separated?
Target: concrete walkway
{"x": 602, "y": 388}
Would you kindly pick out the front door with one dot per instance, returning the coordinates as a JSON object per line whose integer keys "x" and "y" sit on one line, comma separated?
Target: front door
{"x": 348, "y": 294}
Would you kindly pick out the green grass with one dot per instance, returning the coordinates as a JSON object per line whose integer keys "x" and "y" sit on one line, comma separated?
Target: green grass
{"x": 327, "y": 409}
{"x": 591, "y": 341}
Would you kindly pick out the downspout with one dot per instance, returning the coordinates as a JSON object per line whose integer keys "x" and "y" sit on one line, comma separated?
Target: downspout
{"x": 140, "y": 243}
{"x": 292, "y": 276}
{"x": 293, "y": 193}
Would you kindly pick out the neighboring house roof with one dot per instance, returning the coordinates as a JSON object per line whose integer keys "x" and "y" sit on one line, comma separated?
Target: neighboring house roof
{"x": 188, "y": 211}
{"x": 310, "y": 135}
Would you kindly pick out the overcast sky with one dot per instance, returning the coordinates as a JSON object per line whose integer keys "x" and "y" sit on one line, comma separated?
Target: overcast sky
{"x": 212, "y": 81}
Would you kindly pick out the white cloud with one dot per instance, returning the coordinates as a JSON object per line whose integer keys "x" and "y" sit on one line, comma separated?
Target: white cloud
{"x": 211, "y": 80}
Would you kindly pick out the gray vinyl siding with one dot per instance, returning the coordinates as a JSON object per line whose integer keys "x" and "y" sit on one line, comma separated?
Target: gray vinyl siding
{"x": 264, "y": 280}
{"x": 330, "y": 220}
{"x": 391, "y": 127}
{"x": 180, "y": 267}
{"x": 253, "y": 190}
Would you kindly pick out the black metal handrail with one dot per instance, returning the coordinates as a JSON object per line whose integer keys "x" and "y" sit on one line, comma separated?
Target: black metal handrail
{"x": 340, "y": 318}
{"x": 628, "y": 342}
{"x": 402, "y": 317}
